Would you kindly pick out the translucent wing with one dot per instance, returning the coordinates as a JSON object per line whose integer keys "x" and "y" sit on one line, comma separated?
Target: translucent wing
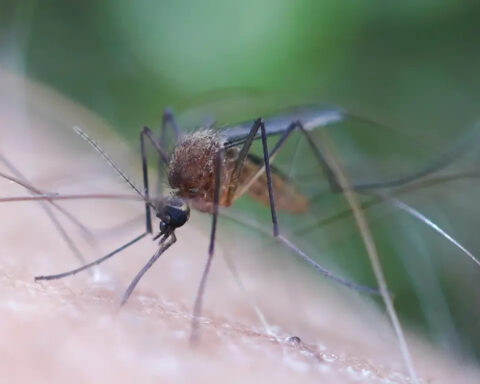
{"x": 375, "y": 156}
{"x": 311, "y": 117}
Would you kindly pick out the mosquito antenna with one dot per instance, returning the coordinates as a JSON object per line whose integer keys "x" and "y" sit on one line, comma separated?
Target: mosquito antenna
{"x": 107, "y": 158}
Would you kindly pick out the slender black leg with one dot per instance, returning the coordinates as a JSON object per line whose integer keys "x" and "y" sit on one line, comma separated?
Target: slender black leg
{"x": 164, "y": 245}
{"x": 21, "y": 179}
{"x": 268, "y": 173}
{"x": 296, "y": 250}
{"x": 146, "y": 132}
{"x": 335, "y": 187}
{"x": 266, "y": 158}
{"x": 161, "y": 152}
{"x": 233, "y": 184}
{"x": 442, "y": 161}
{"x": 216, "y": 199}
{"x": 148, "y": 214}
{"x": 168, "y": 119}
{"x": 93, "y": 263}
{"x": 197, "y": 308}
{"x": 334, "y": 184}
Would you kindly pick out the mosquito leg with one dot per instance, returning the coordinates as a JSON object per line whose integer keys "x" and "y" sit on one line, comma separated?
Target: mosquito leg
{"x": 440, "y": 162}
{"x": 49, "y": 212}
{"x": 233, "y": 184}
{"x": 148, "y": 214}
{"x": 335, "y": 187}
{"x": 89, "y": 265}
{"x": 168, "y": 119}
{"x": 197, "y": 308}
{"x": 216, "y": 199}
{"x": 164, "y": 245}
{"x": 161, "y": 152}
{"x": 268, "y": 173}
{"x": 266, "y": 159}
{"x": 332, "y": 180}
{"x": 21, "y": 180}
{"x": 236, "y": 276}
{"x": 163, "y": 160}
{"x": 297, "y": 251}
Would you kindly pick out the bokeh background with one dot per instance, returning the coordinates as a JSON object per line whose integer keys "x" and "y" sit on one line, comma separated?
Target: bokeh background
{"x": 410, "y": 65}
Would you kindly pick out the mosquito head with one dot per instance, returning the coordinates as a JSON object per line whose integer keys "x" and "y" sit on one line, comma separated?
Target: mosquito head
{"x": 173, "y": 213}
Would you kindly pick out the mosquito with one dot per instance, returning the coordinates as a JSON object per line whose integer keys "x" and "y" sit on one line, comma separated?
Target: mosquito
{"x": 209, "y": 169}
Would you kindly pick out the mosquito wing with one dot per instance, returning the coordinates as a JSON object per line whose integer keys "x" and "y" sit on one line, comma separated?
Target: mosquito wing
{"x": 311, "y": 117}
{"x": 374, "y": 155}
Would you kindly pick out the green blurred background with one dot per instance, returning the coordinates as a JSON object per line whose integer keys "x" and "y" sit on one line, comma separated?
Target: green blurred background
{"x": 406, "y": 64}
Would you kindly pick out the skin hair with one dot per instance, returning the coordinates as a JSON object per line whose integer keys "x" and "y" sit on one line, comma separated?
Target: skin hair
{"x": 260, "y": 324}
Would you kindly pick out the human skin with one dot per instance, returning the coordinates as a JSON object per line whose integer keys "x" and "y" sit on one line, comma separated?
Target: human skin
{"x": 74, "y": 330}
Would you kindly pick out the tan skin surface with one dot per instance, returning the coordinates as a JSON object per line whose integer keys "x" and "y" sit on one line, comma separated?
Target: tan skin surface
{"x": 73, "y": 330}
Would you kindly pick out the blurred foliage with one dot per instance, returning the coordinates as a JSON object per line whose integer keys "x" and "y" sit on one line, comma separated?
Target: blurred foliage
{"x": 406, "y": 64}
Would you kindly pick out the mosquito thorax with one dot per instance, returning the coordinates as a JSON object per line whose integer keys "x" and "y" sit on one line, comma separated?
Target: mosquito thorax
{"x": 173, "y": 212}
{"x": 191, "y": 170}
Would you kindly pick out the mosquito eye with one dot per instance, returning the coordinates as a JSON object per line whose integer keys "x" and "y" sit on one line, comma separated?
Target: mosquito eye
{"x": 175, "y": 213}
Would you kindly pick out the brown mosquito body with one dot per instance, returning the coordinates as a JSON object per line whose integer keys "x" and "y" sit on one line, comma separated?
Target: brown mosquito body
{"x": 191, "y": 170}
{"x": 191, "y": 173}
{"x": 287, "y": 197}
{"x": 211, "y": 168}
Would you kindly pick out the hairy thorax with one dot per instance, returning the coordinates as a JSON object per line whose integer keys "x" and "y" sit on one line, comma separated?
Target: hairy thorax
{"x": 192, "y": 170}
{"x": 192, "y": 175}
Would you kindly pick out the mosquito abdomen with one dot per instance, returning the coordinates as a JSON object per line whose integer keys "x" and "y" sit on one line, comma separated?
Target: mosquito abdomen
{"x": 287, "y": 197}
